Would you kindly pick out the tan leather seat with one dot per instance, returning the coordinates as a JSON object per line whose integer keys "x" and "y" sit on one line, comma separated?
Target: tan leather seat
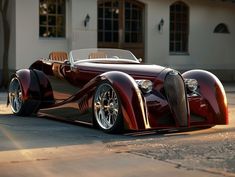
{"x": 58, "y": 56}
{"x": 97, "y": 55}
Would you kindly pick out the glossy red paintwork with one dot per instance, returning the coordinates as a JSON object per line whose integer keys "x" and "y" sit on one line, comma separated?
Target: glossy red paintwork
{"x": 213, "y": 96}
{"x": 60, "y": 85}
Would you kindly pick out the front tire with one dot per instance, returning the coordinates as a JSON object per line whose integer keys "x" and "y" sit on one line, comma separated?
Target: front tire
{"x": 18, "y": 104}
{"x": 107, "y": 109}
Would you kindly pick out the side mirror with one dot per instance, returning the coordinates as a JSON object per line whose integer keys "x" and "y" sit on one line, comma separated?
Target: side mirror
{"x": 66, "y": 62}
{"x": 140, "y": 60}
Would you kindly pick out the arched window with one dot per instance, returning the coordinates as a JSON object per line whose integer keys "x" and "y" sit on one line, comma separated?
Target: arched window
{"x": 179, "y": 27}
{"x": 221, "y": 28}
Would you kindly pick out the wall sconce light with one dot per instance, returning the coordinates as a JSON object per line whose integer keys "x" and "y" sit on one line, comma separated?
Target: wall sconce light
{"x": 160, "y": 25}
{"x": 86, "y": 20}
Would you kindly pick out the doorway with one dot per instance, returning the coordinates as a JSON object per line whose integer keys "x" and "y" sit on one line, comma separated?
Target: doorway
{"x": 121, "y": 25}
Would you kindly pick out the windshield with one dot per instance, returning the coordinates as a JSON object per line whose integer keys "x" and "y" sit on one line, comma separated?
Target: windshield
{"x": 99, "y": 53}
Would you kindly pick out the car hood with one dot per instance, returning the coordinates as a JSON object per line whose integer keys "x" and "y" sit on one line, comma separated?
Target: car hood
{"x": 135, "y": 70}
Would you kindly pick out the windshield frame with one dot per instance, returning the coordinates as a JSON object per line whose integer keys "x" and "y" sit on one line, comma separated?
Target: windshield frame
{"x": 111, "y": 54}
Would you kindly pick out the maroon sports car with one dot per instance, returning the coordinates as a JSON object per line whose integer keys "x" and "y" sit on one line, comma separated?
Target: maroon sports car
{"x": 110, "y": 88}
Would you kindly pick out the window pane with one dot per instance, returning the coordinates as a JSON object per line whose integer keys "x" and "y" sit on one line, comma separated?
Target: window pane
{"x": 139, "y": 37}
{"x": 108, "y": 25}
{"x": 116, "y": 4}
{"x": 135, "y": 26}
{"x": 177, "y": 47}
{"x": 115, "y": 13}
{"x": 172, "y": 26}
{"x": 52, "y": 32}
{"x": 108, "y": 36}
{"x": 178, "y": 7}
{"x": 43, "y": 7}
{"x": 108, "y": 13}
{"x": 60, "y": 21}
{"x": 100, "y": 24}
{"x": 179, "y": 14}
{"x": 178, "y": 27}
{"x": 128, "y": 25}
{"x": 172, "y": 17}
{"x": 134, "y": 14}
{"x": 178, "y": 37}
{"x": 43, "y": 32}
{"x": 134, "y": 37}
{"x": 61, "y": 8}
{"x": 52, "y": 8}
{"x": 127, "y": 5}
{"x": 115, "y": 37}
{"x": 115, "y": 25}
{"x": 127, "y": 37}
{"x": 172, "y": 47}
{"x": 60, "y": 32}
{"x": 127, "y": 14}
{"x": 100, "y": 36}
{"x": 100, "y": 12}
{"x": 51, "y": 20}
{"x": 43, "y": 20}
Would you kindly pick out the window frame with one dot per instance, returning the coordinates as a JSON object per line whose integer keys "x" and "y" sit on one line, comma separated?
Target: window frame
{"x": 221, "y": 28}
{"x": 58, "y": 27}
{"x": 179, "y": 18}
{"x": 121, "y": 38}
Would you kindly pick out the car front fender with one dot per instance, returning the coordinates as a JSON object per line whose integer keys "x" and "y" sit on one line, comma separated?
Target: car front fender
{"x": 133, "y": 104}
{"x": 213, "y": 91}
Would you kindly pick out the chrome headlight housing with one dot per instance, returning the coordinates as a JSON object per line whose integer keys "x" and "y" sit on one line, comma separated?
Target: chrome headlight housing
{"x": 191, "y": 84}
{"x": 145, "y": 86}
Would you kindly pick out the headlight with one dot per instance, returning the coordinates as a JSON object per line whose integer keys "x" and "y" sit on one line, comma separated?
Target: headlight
{"x": 145, "y": 85}
{"x": 191, "y": 84}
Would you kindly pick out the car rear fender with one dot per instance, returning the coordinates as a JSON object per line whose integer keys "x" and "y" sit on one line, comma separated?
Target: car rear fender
{"x": 30, "y": 87}
{"x": 35, "y": 86}
{"x": 213, "y": 91}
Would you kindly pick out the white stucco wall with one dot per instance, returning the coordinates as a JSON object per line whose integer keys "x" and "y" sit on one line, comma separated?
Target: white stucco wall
{"x": 207, "y": 50}
{"x": 83, "y": 37}
{"x": 29, "y": 47}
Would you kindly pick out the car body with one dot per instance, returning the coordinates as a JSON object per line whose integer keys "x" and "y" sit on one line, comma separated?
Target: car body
{"x": 114, "y": 90}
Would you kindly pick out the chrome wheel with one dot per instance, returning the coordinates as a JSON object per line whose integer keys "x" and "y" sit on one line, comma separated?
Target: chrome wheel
{"x": 106, "y": 106}
{"x": 15, "y": 95}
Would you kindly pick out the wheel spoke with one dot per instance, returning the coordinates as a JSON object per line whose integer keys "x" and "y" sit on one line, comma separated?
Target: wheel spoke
{"x": 17, "y": 104}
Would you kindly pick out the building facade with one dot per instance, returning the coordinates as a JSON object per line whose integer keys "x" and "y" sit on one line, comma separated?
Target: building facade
{"x": 183, "y": 34}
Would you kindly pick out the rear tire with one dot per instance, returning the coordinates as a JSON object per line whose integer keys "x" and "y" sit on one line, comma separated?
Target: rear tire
{"x": 107, "y": 109}
{"x": 19, "y": 105}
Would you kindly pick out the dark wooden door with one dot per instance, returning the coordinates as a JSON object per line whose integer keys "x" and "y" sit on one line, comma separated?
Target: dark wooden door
{"x": 121, "y": 25}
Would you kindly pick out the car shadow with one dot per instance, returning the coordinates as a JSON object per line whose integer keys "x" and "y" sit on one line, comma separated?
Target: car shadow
{"x": 41, "y": 132}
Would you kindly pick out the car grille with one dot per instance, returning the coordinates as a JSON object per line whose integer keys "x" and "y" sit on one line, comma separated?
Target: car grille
{"x": 175, "y": 92}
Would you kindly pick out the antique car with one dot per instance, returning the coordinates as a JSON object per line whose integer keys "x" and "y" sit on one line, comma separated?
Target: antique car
{"x": 112, "y": 89}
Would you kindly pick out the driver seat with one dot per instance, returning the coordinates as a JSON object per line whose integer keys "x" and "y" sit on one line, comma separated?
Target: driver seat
{"x": 98, "y": 54}
{"x": 58, "y": 56}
